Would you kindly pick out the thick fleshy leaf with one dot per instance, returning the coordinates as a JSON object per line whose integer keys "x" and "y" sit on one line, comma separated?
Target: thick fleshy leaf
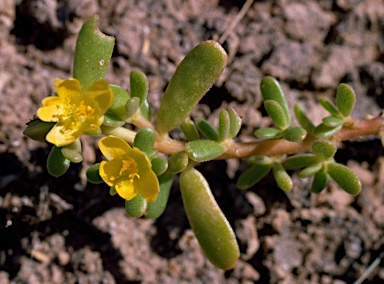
{"x": 324, "y": 149}
{"x": 310, "y": 170}
{"x": 73, "y": 151}
{"x": 329, "y": 106}
{"x": 159, "y": 165}
{"x": 204, "y": 150}
{"x": 145, "y": 139}
{"x": 112, "y": 120}
{"x": 324, "y": 131}
{"x": 93, "y": 53}
{"x": 156, "y": 208}
{"x": 189, "y": 129}
{"x": 294, "y": 134}
{"x": 344, "y": 178}
{"x": 276, "y": 113}
{"x": 57, "y": 164}
{"x": 139, "y": 85}
{"x": 271, "y": 90}
{"x": 207, "y": 129}
{"x": 38, "y": 130}
{"x": 131, "y": 107}
{"x": 208, "y": 222}
{"x": 299, "y": 161}
{"x": 320, "y": 181}
{"x": 194, "y": 76}
{"x": 224, "y": 125}
{"x": 268, "y": 133}
{"x": 260, "y": 160}
{"x": 345, "y": 99}
{"x": 303, "y": 119}
{"x": 120, "y": 99}
{"x": 283, "y": 180}
{"x": 253, "y": 175}
{"x": 178, "y": 162}
{"x": 93, "y": 175}
{"x": 235, "y": 123}
{"x": 136, "y": 207}
{"x": 333, "y": 121}
{"x": 145, "y": 110}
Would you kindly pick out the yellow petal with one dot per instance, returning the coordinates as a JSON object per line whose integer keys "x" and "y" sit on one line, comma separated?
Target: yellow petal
{"x": 57, "y": 82}
{"x": 110, "y": 171}
{"x": 59, "y": 136}
{"x": 51, "y": 109}
{"x": 113, "y": 147}
{"x": 101, "y": 93}
{"x": 147, "y": 185}
{"x": 70, "y": 89}
{"x": 126, "y": 189}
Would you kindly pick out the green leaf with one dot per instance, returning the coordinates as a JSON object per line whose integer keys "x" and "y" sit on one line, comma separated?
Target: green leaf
{"x": 235, "y": 123}
{"x": 57, "y": 164}
{"x": 37, "y": 129}
{"x": 303, "y": 119}
{"x": 271, "y": 90}
{"x": 112, "y": 120}
{"x": 139, "y": 85}
{"x": 260, "y": 160}
{"x": 253, "y": 175}
{"x": 344, "y": 178}
{"x": 73, "y": 151}
{"x": 156, "y": 208}
{"x": 145, "y": 110}
{"x": 324, "y": 131}
{"x": 159, "y": 165}
{"x": 333, "y": 121}
{"x": 203, "y": 150}
{"x": 345, "y": 99}
{"x": 194, "y": 76}
{"x": 120, "y": 99}
{"x": 224, "y": 125}
{"x": 211, "y": 228}
{"x": 324, "y": 149}
{"x": 268, "y": 133}
{"x": 320, "y": 181}
{"x": 178, "y": 162}
{"x": 145, "y": 139}
{"x": 132, "y": 106}
{"x": 189, "y": 130}
{"x": 112, "y": 191}
{"x": 136, "y": 207}
{"x": 93, "y": 53}
{"x": 276, "y": 113}
{"x": 299, "y": 161}
{"x": 207, "y": 129}
{"x": 310, "y": 170}
{"x": 93, "y": 175}
{"x": 294, "y": 134}
{"x": 329, "y": 106}
{"x": 283, "y": 180}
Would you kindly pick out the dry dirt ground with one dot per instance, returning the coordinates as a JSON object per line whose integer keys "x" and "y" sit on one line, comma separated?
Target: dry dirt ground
{"x": 65, "y": 231}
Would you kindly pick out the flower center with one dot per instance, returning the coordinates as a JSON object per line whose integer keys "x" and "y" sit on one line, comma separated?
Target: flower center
{"x": 84, "y": 110}
{"x": 129, "y": 168}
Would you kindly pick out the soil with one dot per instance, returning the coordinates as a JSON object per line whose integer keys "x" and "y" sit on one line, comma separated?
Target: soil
{"x": 62, "y": 230}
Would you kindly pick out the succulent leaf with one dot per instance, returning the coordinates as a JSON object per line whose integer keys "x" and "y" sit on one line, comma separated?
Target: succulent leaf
{"x": 204, "y": 150}
{"x": 345, "y": 99}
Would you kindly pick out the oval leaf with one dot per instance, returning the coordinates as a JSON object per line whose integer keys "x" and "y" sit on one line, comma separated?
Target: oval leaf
{"x": 139, "y": 85}
{"x": 224, "y": 125}
{"x": 344, "y": 178}
{"x": 268, "y": 133}
{"x": 310, "y": 170}
{"x": 320, "y": 181}
{"x": 189, "y": 130}
{"x": 324, "y": 149}
{"x": 207, "y": 129}
{"x": 271, "y": 90}
{"x": 204, "y": 150}
{"x": 178, "y": 162}
{"x": 93, "y": 175}
{"x": 260, "y": 160}
{"x": 208, "y": 222}
{"x": 112, "y": 120}
{"x": 73, "y": 151}
{"x": 276, "y": 113}
{"x": 136, "y": 207}
{"x": 235, "y": 123}
{"x": 299, "y": 161}
{"x": 345, "y": 99}
{"x": 283, "y": 180}
{"x": 159, "y": 165}
{"x": 156, "y": 208}
{"x": 194, "y": 76}
{"x": 253, "y": 175}
{"x": 303, "y": 119}
{"x": 329, "y": 106}
{"x": 324, "y": 131}
{"x": 120, "y": 99}
{"x": 294, "y": 134}
{"x": 145, "y": 139}
{"x": 57, "y": 164}
{"x": 93, "y": 53}
{"x": 37, "y": 129}
{"x": 333, "y": 121}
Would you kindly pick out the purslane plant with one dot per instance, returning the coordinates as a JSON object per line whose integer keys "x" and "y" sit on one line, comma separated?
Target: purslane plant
{"x": 140, "y": 165}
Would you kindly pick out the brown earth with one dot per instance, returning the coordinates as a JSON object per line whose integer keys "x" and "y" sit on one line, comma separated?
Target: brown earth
{"x": 62, "y": 230}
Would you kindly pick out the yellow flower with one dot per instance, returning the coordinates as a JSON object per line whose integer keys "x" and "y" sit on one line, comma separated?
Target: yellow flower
{"x": 127, "y": 169}
{"x": 75, "y": 111}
